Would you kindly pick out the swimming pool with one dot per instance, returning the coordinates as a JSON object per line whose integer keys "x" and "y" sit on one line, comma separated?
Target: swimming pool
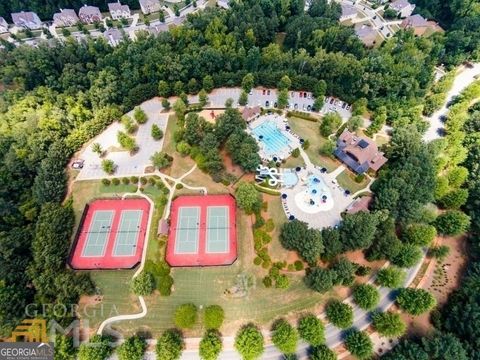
{"x": 275, "y": 142}
{"x": 290, "y": 179}
{"x": 317, "y": 190}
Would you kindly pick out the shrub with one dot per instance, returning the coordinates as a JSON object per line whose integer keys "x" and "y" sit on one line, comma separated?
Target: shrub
{"x": 311, "y": 329}
{"x": 420, "y": 234}
{"x": 106, "y": 182}
{"x": 214, "y": 316}
{"x": 363, "y": 270}
{"x": 415, "y": 301}
{"x": 257, "y": 261}
{"x": 97, "y": 348}
{"x": 185, "y": 316}
{"x": 267, "y": 281}
{"x": 322, "y": 352}
{"x": 164, "y": 285}
{"x": 452, "y": 222}
{"x": 143, "y": 284}
{"x": 340, "y": 314}
{"x": 132, "y": 349}
{"x": 179, "y": 186}
{"x": 115, "y": 181}
{"x": 143, "y": 180}
{"x": 134, "y": 180}
{"x": 330, "y": 123}
{"x": 298, "y": 265}
{"x": 170, "y": 345}
{"x": 408, "y": 256}
{"x": 284, "y": 337}
{"x": 366, "y": 296}
{"x": 210, "y": 345}
{"x": 152, "y": 181}
{"x": 249, "y": 342}
{"x": 126, "y": 142}
{"x": 296, "y": 152}
{"x": 125, "y": 181}
{"x": 282, "y": 282}
{"x": 391, "y": 277}
{"x": 161, "y": 160}
{"x": 439, "y": 252}
{"x": 359, "y": 344}
{"x": 108, "y": 166}
{"x": 320, "y": 279}
{"x": 269, "y": 225}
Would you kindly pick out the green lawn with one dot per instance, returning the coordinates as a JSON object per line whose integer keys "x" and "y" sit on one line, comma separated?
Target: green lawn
{"x": 347, "y": 181}
{"x": 309, "y": 130}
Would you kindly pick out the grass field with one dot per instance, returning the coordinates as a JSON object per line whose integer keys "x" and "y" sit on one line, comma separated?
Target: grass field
{"x": 309, "y": 130}
{"x": 347, "y": 181}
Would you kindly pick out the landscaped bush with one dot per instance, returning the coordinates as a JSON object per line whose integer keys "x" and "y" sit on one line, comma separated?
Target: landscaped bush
{"x": 339, "y": 314}
{"x": 143, "y": 284}
{"x": 298, "y": 265}
{"x": 439, "y": 252}
{"x": 179, "y": 186}
{"x": 115, "y": 181}
{"x": 134, "y": 180}
{"x": 129, "y": 124}
{"x": 269, "y": 225}
{"x": 322, "y": 352}
{"x": 108, "y": 166}
{"x": 210, "y": 345}
{"x": 185, "y": 316}
{"x": 359, "y": 344}
{"x": 152, "y": 181}
{"x": 415, "y": 301}
{"x": 139, "y": 115}
{"x": 125, "y": 181}
{"x": 126, "y": 142}
{"x": 296, "y": 152}
{"x": 156, "y": 132}
{"x": 161, "y": 160}
{"x": 214, "y": 316}
{"x": 284, "y": 337}
{"x": 366, "y": 296}
{"x": 170, "y": 345}
{"x": 249, "y": 342}
{"x": 391, "y": 277}
{"x": 257, "y": 261}
{"x": 389, "y": 324}
{"x": 311, "y": 329}
{"x": 106, "y": 182}
{"x": 132, "y": 349}
{"x": 267, "y": 281}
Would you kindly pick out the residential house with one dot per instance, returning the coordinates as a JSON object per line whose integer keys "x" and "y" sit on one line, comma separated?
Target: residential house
{"x": 250, "y": 113}
{"x": 359, "y": 153}
{"x": 416, "y": 22}
{"x": 3, "y": 25}
{"x": 359, "y": 205}
{"x": 89, "y": 14}
{"x": 366, "y": 34}
{"x": 119, "y": 11}
{"x": 66, "y": 17}
{"x": 150, "y": 6}
{"x": 27, "y": 20}
{"x": 402, "y": 7}
{"x": 349, "y": 12}
{"x": 113, "y": 36}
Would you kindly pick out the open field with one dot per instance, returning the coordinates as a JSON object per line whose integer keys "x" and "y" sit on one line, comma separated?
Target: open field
{"x": 347, "y": 181}
{"x": 309, "y": 130}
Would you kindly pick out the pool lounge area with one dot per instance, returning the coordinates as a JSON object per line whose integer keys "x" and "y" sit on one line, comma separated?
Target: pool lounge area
{"x": 275, "y": 140}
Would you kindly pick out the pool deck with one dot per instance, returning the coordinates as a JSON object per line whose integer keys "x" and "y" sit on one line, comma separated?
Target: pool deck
{"x": 280, "y": 121}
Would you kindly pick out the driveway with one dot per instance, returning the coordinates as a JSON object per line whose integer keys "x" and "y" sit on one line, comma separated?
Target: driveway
{"x": 464, "y": 78}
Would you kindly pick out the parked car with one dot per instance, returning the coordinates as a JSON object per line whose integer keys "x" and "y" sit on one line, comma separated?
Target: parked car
{"x": 268, "y": 92}
{"x": 332, "y": 100}
{"x": 309, "y": 108}
{"x": 275, "y": 105}
{"x": 344, "y": 105}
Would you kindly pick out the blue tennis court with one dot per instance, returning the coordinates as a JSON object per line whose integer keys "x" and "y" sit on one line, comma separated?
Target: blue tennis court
{"x": 127, "y": 233}
{"x": 98, "y": 233}
{"x": 188, "y": 226}
{"x": 217, "y": 229}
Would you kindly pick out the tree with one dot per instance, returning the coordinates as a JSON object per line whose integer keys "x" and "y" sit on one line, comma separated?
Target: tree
{"x": 320, "y": 279}
{"x": 284, "y": 337}
{"x": 156, "y": 132}
{"x": 295, "y": 235}
{"x": 139, "y": 115}
{"x": 247, "y": 196}
{"x": 208, "y": 84}
{"x": 164, "y": 89}
{"x": 285, "y": 83}
{"x": 406, "y": 350}
{"x": 330, "y": 123}
{"x": 132, "y": 349}
{"x": 359, "y": 344}
{"x": 203, "y": 97}
{"x": 214, "y": 316}
{"x": 166, "y": 104}
{"x": 311, "y": 329}
{"x": 388, "y": 324}
{"x": 415, "y": 301}
{"x": 64, "y": 348}
{"x": 143, "y": 284}
{"x": 366, "y": 296}
{"x": 243, "y": 99}
{"x": 282, "y": 100}
{"x": 97, "y": 348}
{"x": 345, "y": 272}
{"x": 126, "y": 142}
{"x": 454, "y": 199}
{"x": 332, "y": 243}
{"x": 420, "y": 234}
{"x": 170, "y": 345}
{"x": 452, "y": 222}
{"x": 180, "y": 108}
{"x": 445, "y": 347}
{"x": 108, "y": 166}
{"x": 322, "y": 352}
{"x": 210, "y": 345}
{"x": 97, "y": 149}
{"x": 248, "y": 82}
{"x": 249, "y": 342}
{"x": 408, "y": 256}
{"x": 357, "y": 230}
{"x": 339, "y": 314}
{"x": 391, "y": 277}
{"x": 161, "y": 160}
{"x": 354, "y": 123}
{"x": 185, "y": 316}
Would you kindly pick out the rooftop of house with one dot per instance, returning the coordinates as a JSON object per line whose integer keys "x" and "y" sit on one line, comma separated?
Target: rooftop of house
{"x": 113, "y": 34}
{"x": 3, "y": 22}
{"x": 117, "y": 6}
{"x": 366, "y": 33}
{"x": 398, "y": 5}
{"x": 249, "y": 112}
{"x": 361, "y": 204}
{"x": 414, "y": 21}
{"x": 65, "y": 13}
{"x": 89, "y": 10}
{"x": 149, "y": 2}
{"x": 360, "y": 151}
{"x": 348, "y": 10}
{"x": 25, "y": 16}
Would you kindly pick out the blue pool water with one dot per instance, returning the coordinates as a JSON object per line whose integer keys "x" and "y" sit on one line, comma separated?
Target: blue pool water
{"x": 272, "y": 137}
{"x": 290, "y": 179}
{"x": 317, "y": 189}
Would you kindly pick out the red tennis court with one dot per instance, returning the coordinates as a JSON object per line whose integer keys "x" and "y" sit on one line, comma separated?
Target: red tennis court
{"x": 202, "y": 231}
{"x": 111, "y": 234}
